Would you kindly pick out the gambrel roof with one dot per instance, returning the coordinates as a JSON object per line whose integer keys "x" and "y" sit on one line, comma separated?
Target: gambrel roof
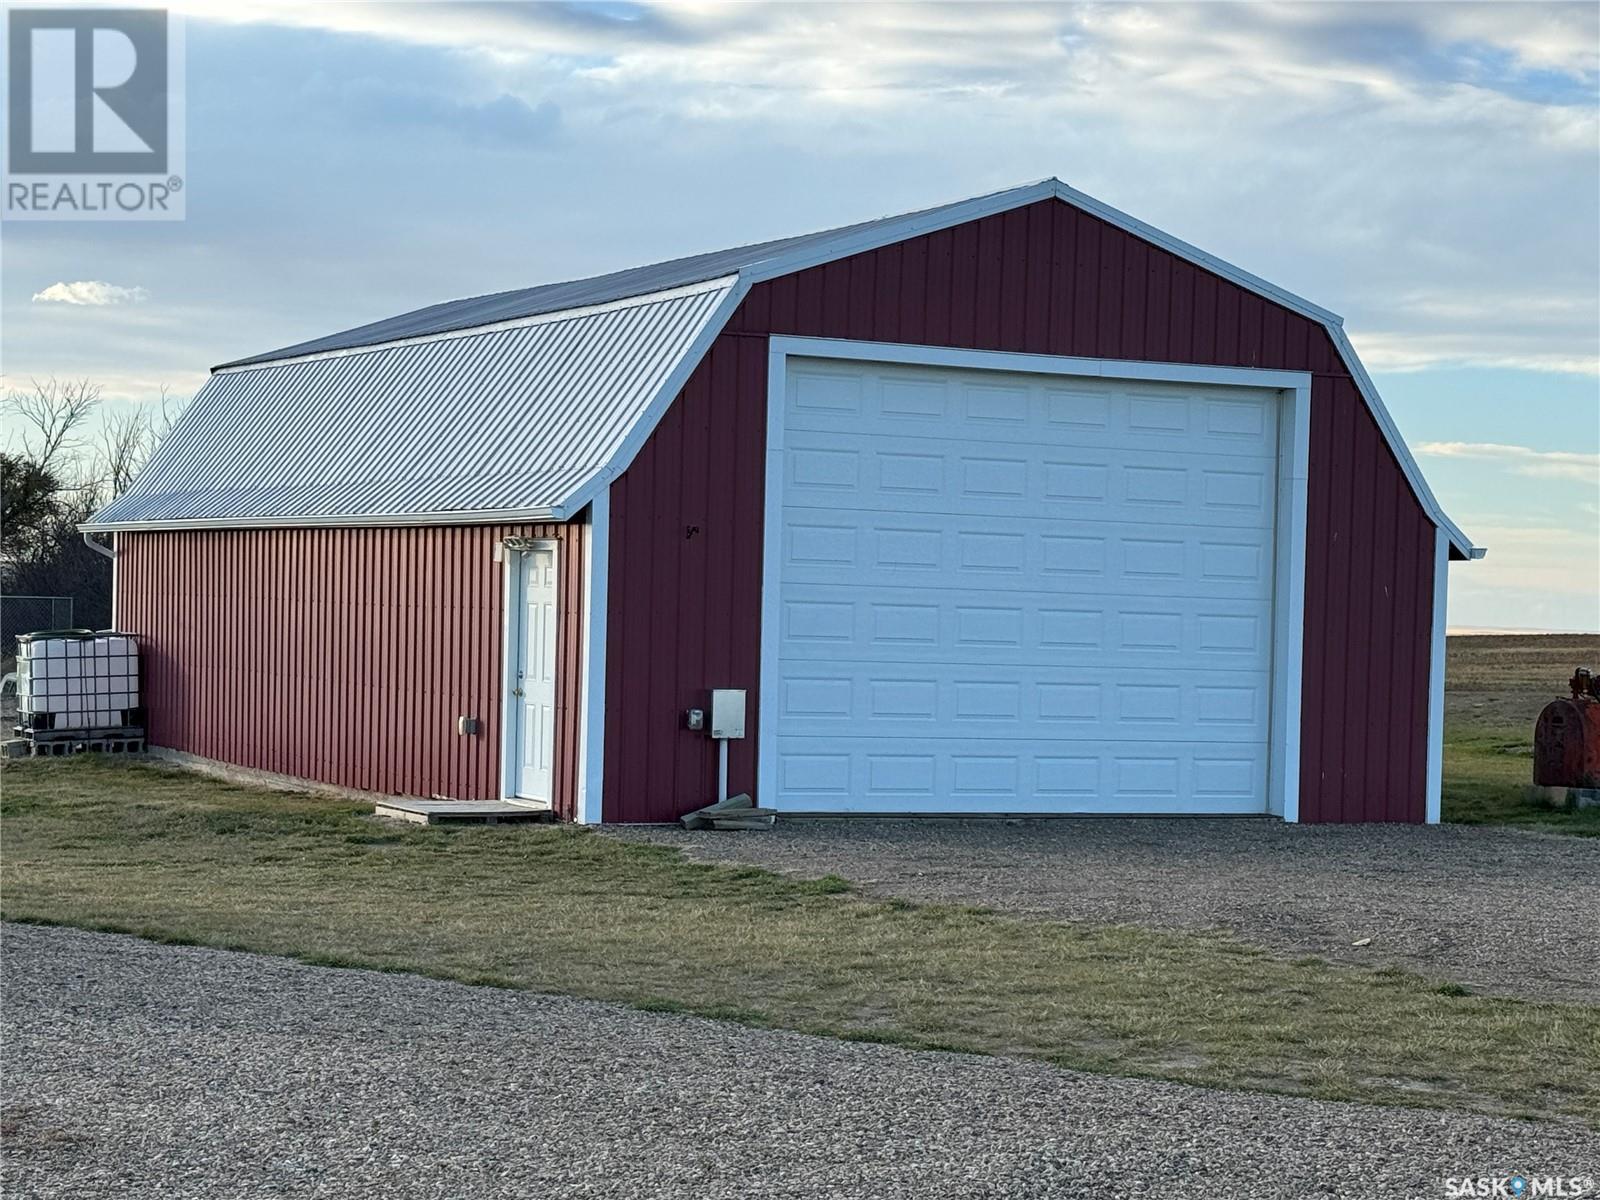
{"x": 521, "y": 405}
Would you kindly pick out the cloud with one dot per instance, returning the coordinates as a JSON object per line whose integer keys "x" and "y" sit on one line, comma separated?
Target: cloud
{"x": 1537, "y": 576}
{"x": 821, "y": 46}
{"x": 402, "y": 108}
{"x": 1557, "y": 37}
{"x": 1466, "y": 346}
{"x": 1522, "y": 460}
{"x": 1545, "y": 329}
{"x": 1354, "y": 153}
{"x": 91, "y": 292}
{"x": 1410, "y": 166}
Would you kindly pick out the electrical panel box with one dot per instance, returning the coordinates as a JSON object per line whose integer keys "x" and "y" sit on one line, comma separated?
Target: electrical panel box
{"x": 727, "y": 712}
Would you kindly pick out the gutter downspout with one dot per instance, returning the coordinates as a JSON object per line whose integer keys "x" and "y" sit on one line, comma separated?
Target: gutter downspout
{"x": 111, "y": 553}
{"x": 107, "y": 551}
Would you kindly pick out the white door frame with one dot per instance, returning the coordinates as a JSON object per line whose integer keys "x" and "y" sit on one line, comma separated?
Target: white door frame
{"x": 513, "y": 552}
{"x": 1289, "y": 549}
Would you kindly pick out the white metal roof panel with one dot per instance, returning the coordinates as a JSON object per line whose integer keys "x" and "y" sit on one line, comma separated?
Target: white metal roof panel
{"x": 513, "y": 420}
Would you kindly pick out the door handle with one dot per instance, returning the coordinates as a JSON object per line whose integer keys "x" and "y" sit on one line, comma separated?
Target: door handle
{"x": 516, "y": 691}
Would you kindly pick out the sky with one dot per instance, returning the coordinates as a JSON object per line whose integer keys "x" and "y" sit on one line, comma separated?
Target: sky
{"x": 1430, "y": 171}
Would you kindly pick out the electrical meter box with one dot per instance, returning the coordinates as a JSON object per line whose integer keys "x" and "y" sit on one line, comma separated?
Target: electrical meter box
{"x": 727, "y": 712}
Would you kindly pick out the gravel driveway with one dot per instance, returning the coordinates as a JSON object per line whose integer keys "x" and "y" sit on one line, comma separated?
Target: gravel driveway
{"x": 1498, "y": 910}
{"x": 135, "y": 1070}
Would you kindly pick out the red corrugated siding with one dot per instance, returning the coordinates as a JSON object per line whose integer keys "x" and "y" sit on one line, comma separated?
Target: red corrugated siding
{"x": 682, "y": 592}
{"x": 341, "y": 655}
{"x": 1046, "y": 279}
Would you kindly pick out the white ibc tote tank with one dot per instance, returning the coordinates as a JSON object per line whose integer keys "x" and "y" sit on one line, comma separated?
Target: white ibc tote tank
{"x": 77, "y": 679}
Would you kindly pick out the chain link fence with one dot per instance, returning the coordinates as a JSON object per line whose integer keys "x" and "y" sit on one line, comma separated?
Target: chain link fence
{"x": 29, "y": 614}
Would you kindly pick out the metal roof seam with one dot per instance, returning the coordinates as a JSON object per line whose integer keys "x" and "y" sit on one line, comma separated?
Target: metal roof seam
{"x": 454, "y": 332}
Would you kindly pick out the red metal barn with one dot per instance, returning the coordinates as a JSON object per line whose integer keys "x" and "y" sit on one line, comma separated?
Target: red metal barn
{"x": 1015, "y": 505}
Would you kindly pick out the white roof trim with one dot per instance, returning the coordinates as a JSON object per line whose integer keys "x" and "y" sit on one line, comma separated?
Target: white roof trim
{"x": 1195, "y": 255}
{"x": 814, "y": 254}
{"x": 1331, "y": 321}
{"x": 886, "y": 233}
{"x": 665, "y": 395}
{"x": 1402, "y": 452}
{"x": 890, "y": 232}
{"x": 382, "y": 521}
{"x": 547, "y": 318}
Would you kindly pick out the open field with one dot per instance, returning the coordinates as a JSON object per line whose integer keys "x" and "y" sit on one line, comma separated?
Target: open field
{"x": 1494, "y": 689}
{"x": 134, "y": 848}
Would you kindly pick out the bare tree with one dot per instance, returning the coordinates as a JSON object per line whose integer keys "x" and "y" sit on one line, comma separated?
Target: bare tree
{"x": 49, "y": 430}
{"x": 168, "y": 409}
{"x": 49, "y": 421}
{"x": 62, "y": 465}
{"x": 124, "y": 443}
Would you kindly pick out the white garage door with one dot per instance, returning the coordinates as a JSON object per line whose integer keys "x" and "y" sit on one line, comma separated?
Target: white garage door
{"x": 1022, "y": 593}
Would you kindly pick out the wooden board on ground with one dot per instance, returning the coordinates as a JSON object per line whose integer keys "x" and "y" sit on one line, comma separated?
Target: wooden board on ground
{"x": 736, "y": 812}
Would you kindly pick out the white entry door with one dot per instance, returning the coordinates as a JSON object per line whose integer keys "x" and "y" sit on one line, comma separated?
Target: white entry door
{"x": 1022, "y": 593}
{"x": 533, "y": 683}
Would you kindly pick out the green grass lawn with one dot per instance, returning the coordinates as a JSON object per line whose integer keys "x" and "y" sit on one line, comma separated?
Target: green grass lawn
{"x": 1486, "y": 783}
{"x": 1494, "y": 689}
{"x": 175, "y": 856}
